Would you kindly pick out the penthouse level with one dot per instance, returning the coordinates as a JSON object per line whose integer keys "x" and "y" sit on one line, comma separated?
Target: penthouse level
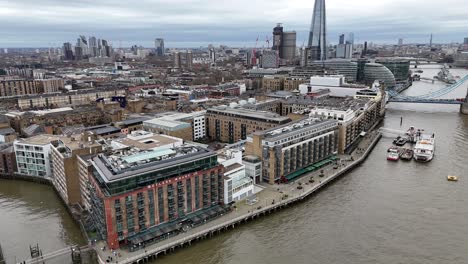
{"x": 140, "y": 197}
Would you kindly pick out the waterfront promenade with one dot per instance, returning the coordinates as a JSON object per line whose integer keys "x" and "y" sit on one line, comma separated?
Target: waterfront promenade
{"x": 272, "y": 198}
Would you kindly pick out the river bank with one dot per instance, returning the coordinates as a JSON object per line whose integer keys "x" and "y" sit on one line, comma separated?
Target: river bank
{"x": 271, "y": 199}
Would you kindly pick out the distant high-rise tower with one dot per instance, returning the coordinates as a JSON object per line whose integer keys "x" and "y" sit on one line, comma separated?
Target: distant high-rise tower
{"x": 430, "y": 41}
{"x": 341, "y": 39}
{"x": 318, "y": 32}
{"x": 212, "y": 55}
{"x": 189, "y": 59}
{"x": 284, "y": 42}
{"x": 350, "y": 38}
{"x": 400, "y": 42}
{"x": 177, "y": 60}
{"x": 93, "y": 47}
{"x": 67, "y": 51}
{"x": 159, "y": 45}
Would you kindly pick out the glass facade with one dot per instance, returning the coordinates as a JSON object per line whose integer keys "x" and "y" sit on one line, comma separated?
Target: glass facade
{"x": 375, "y": 71}
{"x": 399, "y": 68}
{"x": 318, "y": 34}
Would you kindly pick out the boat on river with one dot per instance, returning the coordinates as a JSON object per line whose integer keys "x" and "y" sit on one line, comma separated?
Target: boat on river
{"x": 452, "y": 178}
{"x": 393, "y": 154}
{"x": 407, "y": 154}
{"x": 425, "y": 147}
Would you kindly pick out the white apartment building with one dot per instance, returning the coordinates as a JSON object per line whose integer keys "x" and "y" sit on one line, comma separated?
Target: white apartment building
{"x": 33, "y": 156}
{"x": 237, "y": 185}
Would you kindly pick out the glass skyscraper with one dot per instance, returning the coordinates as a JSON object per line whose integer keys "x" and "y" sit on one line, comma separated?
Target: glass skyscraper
{"x": 318, "y": 32}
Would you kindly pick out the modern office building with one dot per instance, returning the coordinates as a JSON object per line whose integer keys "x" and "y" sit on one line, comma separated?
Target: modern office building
{"x": 344, "y": 67}
{"x": 290, "y": 151}
{"x": 213, "y": 56}
{"x": 159, "y": 46}
{"x": 318, "y": 32}
{"x": 231, "y": 124}
{"x": 67, "y": 51}
{"x": 400, "y": 42}
{"x": 270, "y": 59}
{"x": 399, "y": 67}
{"x": 377, "y": 72}
{"x": 189, "y": 59}
{"x": 177, "y": 60}
{"x": 288, "y": 47}
{"x": 143, "y": 196}
{"x": 277, "y": 38}
{"x": 93, "y": 46}
{"x": 284, "y": 42}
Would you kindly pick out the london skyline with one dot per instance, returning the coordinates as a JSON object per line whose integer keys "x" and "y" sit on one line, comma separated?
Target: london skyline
{"x": 198, "y": 23}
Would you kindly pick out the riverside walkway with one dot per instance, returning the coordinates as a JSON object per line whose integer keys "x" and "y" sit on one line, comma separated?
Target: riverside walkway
{"x": 271, "y": 199}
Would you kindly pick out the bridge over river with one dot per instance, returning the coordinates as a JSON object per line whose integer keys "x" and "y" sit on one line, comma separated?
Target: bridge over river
{"x": 433, "y": 97}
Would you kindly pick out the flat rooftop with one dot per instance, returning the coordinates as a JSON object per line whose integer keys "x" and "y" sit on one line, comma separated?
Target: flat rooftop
{"x": 42, "y": 139}
{"x": 163, "y": 123}
{"x": 133, "y": 162}
{"x": 144, "y": 140}
{"x": 335, "y": 103}
{"x": 250, "y": 114}
{"x": 295, "y": 128}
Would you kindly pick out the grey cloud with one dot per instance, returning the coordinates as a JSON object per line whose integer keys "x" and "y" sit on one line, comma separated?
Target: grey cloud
{"x": 185, "y": 22}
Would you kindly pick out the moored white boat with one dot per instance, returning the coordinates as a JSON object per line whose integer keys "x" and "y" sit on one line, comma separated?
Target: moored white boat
{"x": 425, "y": 147}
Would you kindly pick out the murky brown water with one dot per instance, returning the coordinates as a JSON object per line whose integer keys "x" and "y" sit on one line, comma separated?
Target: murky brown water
{"x": 382, "y": 212}
{"x": 32, "y": 214}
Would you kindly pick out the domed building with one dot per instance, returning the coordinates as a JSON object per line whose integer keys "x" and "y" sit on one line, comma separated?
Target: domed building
{"x": 376, "y": 71}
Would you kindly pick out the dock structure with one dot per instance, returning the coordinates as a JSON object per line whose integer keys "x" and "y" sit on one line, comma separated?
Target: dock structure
{"x": 234, "y": 219}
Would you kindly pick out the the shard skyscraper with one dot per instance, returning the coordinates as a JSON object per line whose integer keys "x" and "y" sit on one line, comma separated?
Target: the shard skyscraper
{"x": 318, "y": 32}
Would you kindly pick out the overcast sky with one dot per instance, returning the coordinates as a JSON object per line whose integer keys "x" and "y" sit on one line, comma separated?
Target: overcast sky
{"x": 193, "y": 23}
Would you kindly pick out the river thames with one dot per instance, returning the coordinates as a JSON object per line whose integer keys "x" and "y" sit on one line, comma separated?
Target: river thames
{"x": 381, "y": 212}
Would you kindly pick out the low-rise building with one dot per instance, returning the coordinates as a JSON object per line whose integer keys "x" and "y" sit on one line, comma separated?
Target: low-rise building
{"x": 273, "y": 82}
{"x": 292, "y": 83}
{"x": 8, "y": 166}
{"x": 292, "y": 150}
{"x": 53, "y": 120}
{"x": 72, "y": 98}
